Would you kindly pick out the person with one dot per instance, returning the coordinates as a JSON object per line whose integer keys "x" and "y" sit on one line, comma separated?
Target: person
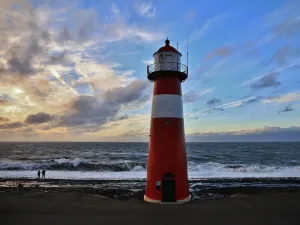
{"x": 43, "y": 174}
{"x": 39, "y": 174}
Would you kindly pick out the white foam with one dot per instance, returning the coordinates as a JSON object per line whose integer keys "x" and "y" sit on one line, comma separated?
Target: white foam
{"x": 75, "y": 162}
{"x": 201, "y": 171}
{"x": 76, "y": 175}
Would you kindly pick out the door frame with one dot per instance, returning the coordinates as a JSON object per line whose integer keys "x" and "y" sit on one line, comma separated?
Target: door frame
{"x": 169, "y": 176}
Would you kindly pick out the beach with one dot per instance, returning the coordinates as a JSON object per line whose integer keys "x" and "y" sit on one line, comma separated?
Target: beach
{"x": 40, "y": 207}
{"x": 121, "y": 202}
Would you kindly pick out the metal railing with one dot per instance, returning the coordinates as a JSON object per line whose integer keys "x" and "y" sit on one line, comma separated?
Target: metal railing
{"x": 167, "y": 66}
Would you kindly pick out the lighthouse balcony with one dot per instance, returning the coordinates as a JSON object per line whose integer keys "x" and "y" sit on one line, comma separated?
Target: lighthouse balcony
{"x": 167, "y": 68}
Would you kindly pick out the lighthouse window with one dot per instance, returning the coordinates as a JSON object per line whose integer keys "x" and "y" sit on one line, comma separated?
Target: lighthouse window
{"x": 161, "y": 57}
{"x": 158, "y": 185}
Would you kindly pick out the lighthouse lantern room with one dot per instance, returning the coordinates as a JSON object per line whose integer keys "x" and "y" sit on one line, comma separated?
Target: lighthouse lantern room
{"x": 167, "y": 177}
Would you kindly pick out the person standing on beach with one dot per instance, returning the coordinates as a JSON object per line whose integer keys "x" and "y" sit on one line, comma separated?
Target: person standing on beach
{"x": 43, "y": 174}
{"x": 39, "y": 174}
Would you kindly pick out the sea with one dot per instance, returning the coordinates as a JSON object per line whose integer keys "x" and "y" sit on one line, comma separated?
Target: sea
{"x": 105, "y": 160}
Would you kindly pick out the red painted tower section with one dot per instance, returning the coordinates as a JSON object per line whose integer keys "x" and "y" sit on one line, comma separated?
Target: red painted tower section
{"x": 167, "y": 177}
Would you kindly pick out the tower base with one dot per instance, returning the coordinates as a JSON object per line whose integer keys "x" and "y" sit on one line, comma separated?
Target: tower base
{"x": 147, "y": 199}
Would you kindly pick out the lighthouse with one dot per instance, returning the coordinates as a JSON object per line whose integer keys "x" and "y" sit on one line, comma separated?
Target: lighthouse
{"x": 167, "y": 177}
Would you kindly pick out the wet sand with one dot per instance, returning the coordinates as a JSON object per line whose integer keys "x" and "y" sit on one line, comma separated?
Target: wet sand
{"x": 40, "y": 207}
{"x": 215, "y": 201}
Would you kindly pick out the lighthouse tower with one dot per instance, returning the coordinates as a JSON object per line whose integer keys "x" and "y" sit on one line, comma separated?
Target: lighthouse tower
{"x": 167, "y": 178}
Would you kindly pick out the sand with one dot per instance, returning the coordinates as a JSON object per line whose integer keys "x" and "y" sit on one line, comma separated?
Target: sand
{"x": 69, "y": 208}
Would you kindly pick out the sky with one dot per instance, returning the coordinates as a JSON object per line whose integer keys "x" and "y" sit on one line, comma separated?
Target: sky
{"x": 76, "y": 70}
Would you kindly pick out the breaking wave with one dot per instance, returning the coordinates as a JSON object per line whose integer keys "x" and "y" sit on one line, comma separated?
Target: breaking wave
{"x": 76, "y": 164}
{"x": 209, "y": 169}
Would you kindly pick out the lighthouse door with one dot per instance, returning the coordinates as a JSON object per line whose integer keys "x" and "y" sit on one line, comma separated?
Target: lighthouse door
{"x": 168, "y": 188}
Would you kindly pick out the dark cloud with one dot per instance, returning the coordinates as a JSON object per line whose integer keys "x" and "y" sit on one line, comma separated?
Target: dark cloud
{"x": 213, "y": 101}
{"x": 264, "y": 134}
{"x": 133, "y": 124}
{"x": 12, "y": 125}
{"x": 288, "y": 28}
{"x": 39, "y": 118}
{"x": 3, "y": 102}
{"x": 60, "y": 58}
{"x": 6, "y": 98}
{"x": 239, "y": 103}
{"x": 21, "y": 57}
{"x": 269, "y": 80}
{"x": 220, "y": 52}
{"x": 190, "y": 96}
{"x": 3, "y": 119}
{"x": 287, "y": 109}
{"x": 130, "y": 93}
{"x": 192, "y": 117}
{"x": 93, "y": 111}
{"x": 282, "y": 55}
{"x": 125, "y": 117}
{"x": 211, "y": 110}
{"x": 137, "y": 132}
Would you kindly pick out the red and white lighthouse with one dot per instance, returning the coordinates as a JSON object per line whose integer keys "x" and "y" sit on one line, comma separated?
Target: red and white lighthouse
{"x": 167, "y": 177}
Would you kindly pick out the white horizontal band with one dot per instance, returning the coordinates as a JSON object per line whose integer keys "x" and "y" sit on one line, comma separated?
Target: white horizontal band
{"x": 167, "y": 106}
{"x": 160, "y": 202}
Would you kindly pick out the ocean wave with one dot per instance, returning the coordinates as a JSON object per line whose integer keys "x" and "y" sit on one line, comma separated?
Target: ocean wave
{"x": 74, "y": 164}
{"x": 240, "y": 169}
{"x": 206, "y": 169}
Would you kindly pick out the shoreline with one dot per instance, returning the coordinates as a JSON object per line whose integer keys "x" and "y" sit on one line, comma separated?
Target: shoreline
{"x": 213, "y": 188}
{"x": 214, "y": 201}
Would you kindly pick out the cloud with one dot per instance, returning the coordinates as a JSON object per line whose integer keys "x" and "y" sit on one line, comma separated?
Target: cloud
{"x": 39, "y": 118}
{"x": 219, "y": 52}
{"x": 266, "y": 81}
{"x": 275, "y": 72}
{"x": 211, "y": 110}
{"x": 3, "y": 119}
{"x": 120, "y": 28}
{"x": 3, "y": 102}
{"x": 283, "y": 22}
{"x": 120, "y": 118}
{"x": 132, "y": 92}
{"x": 145, "y": 9}
{"x": 147, "y": 62}
{"x": 192, "y": 95}
{"x": 289, "y": 97}
{"x": 205, "y": 27}
{"x": 136, "y": 133}
{"x": 25, "y": 42}
{"x": 242, "y": 102}
{"x": 288, "y": 27}
{"x": 91, "y": 112}
{"x": 283, "y": 53}
{"x": 287, "y": 109}
{"x": 213, "y": 101}
{"x": 255, "y": 135}
{"x": 11, "y": 125}
{"x": 238, "y": 103}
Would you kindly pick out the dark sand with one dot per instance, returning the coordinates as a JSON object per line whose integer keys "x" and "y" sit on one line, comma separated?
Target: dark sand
{"x": 70, "y": 208}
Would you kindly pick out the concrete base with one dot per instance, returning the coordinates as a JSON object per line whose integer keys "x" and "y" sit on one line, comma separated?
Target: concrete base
{"x": 146, "y": 199}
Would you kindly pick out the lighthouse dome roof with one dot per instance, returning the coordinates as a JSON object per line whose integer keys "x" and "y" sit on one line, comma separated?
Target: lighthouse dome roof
{"x": 167, "y": 48}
